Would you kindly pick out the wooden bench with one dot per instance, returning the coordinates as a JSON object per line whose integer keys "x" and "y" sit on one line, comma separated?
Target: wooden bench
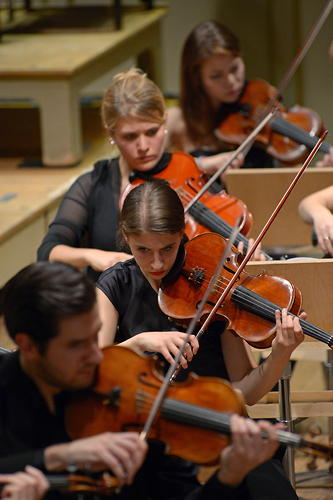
{"x": 52, "y": 69}
{"x": 262, "y": 188}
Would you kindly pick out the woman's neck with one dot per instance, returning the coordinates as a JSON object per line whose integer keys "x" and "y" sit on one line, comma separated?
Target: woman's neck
{"x": 125, "y": 170}
{"x": 155, "y": 284}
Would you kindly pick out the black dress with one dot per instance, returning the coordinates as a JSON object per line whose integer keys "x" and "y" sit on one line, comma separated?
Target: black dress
{"x": 137, "y": 306}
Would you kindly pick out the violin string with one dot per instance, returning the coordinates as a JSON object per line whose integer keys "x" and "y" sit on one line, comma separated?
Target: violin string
{"x": 208, "y": 217}
{"x": 266, "y": 308}
{"x": 211, "y": 419}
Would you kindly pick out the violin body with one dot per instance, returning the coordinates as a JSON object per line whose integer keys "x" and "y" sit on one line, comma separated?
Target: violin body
{"x": 239, "y": 124}
{"x": 180, "y": 297}
{"x": 249, "y": 307}
{"x": 193, "y": 419}
{"x": 184, "y": 176}
{"x": 125, "y": 391}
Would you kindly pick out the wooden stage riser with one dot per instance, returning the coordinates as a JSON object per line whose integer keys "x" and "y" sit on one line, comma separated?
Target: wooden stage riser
{"x": 298, "y": 410}
{"x": 20, "y": 249}
{"x": 262, "y": 189}
{"x": 55, "y": 75}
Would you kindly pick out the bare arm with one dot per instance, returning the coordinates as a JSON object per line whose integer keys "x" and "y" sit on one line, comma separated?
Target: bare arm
{"x": 80, "y": 258}
{"x": 166, "y": 343}
{"x": 109, "y": 318}
{"x": 255, "y": 381}
{"x": 316, "y": 209}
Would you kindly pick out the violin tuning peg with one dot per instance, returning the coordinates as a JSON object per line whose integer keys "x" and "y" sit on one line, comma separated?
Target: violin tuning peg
{"x": 72, "y": 467}
{"x": 312, "y": 465}
{"x": 314, "y": 429}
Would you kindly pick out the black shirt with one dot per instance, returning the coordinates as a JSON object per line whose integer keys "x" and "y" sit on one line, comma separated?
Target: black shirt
{"x": 137, "y": 305}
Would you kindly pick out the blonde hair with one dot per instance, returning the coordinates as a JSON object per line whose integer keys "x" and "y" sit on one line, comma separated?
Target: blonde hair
{"x": 134, "y": 94}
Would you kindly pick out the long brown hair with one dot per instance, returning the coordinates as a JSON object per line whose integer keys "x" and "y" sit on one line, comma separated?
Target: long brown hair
{"x": 152, "y": 207}
{"x": 206, "y": 39}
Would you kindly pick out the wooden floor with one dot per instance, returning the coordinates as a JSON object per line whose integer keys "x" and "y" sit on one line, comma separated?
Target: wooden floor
{"x": 307, "y": 375}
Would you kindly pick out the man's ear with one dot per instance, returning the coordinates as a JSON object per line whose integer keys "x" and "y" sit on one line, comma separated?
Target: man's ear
{"x": 26, "y": 345}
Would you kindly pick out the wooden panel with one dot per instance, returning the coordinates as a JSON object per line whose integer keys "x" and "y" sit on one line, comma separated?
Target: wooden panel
{"x": 262, "y": 189}
{"x": 20, "y": 249}
{"x": 314, "y": 278}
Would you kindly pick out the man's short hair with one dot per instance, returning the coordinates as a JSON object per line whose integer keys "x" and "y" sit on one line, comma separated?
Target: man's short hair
{"x": 41, "y": 294}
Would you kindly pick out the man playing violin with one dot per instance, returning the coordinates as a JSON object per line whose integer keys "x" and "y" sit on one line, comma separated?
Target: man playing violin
{"x": 50, "y": 311}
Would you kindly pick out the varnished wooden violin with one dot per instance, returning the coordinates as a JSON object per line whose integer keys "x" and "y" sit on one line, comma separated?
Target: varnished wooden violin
{"x": 194, "y": 417}
{"x": 249, "y": 308}
{"x": 287, "y": 137}
{"x": 216, "y": 212}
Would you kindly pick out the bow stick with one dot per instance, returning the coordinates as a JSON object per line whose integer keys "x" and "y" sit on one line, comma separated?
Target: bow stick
{"x": 175, "y": 367}
{"x": 248, "y": 141}
{"x": 297, "y": 61}
{"x": 301, "y": 53}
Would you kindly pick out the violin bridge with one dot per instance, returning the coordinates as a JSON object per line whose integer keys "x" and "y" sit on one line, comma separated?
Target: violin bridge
{"x": 140, "y": 401}
{"x": 196, "y": 276}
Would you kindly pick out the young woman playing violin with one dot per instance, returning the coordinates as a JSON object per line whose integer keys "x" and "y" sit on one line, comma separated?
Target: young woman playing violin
{"x": 152, "y": 224}
{"x": 83, "y": 233}
{"x": 213, "y": 82}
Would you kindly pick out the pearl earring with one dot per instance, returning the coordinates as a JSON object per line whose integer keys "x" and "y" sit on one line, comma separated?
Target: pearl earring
{"x": 165, "y": 131}
{"x": 112, "y": 142}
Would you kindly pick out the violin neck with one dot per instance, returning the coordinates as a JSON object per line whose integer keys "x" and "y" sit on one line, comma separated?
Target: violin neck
{"x": 288, "y": 129}
{"x": 253, "y": 302}
{"x": 58, "y": 482}
{"x": 214, "y": 223}
{"x": 197, "y": 416}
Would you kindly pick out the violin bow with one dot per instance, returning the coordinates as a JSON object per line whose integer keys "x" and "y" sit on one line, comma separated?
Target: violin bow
{"x": 175, "y": 366}
{"x": 260, "y": 237}
{"x": 248, "y": 142}
{"x": 298, "y": 59}
{"x": 301, "y": 53}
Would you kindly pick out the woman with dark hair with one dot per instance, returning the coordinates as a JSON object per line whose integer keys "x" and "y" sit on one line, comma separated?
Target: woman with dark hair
{"x": 152, "y": 225}
{"x": 212, "y": 83}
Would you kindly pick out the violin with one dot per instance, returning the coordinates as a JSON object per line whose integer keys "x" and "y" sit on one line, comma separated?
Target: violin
{"x": 193, "y": 420}
{"x": 286, "y": 138}
{"x": 249, "y": 308}
{"x": 213, "y": 212}
{"x": 106, "y": 484}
